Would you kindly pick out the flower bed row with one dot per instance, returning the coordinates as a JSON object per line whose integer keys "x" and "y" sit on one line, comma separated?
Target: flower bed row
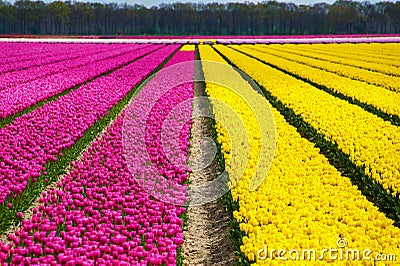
{"x": 99, "y": 214}
{"x": 80, "y": 58}
{"x": 379, "y": 97}
{"x": 366, "y": 138}
{"x": 384, "y": 80}
{"x": 385, "y": 51}
{"x": 385, "y": 66}
{"x": 16, "y": 99}
{"x": 382, "y": 53}
{"x": 309, "y": 208}
{"x": 40, "y": 136}
{"x": 36, "y": 57}
{"x": 14, "y": 52}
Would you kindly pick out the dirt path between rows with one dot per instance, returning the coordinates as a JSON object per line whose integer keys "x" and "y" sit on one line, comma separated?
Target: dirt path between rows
{"x": 206, "y": 240}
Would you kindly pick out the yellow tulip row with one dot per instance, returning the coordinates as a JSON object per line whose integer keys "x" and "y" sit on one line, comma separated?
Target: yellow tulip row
{"x": 351, "y": 51}
{"x": 371, "y": 50}
{"x": 188, "y": 47}
{"x": 366, "y": 138}
{"x": 385, "y": 49}
{"x": 375, "y": 78}
{"x": 354, "y": 61}
{"x": 304, "y": 203}
{"x": 237, "y": 124}
{"x": 385, "y": 100}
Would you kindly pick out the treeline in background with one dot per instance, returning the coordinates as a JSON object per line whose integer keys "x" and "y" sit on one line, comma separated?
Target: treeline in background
{"x": 267, "y": 18}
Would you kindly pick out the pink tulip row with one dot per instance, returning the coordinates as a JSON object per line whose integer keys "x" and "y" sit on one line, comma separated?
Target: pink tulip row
{"x": 16, "y": 99}
{"x": 18, "y": 62}
{"x": 32, "y": 140}
{"x": 160, "y": 112}
{"x": 80, "y": 58}
{"x": 99, "y": 214}
{"x": 13, "y": 51}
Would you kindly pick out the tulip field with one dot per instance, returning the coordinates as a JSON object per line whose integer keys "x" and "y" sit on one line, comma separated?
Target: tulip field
{"x": 95, "y": 140}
